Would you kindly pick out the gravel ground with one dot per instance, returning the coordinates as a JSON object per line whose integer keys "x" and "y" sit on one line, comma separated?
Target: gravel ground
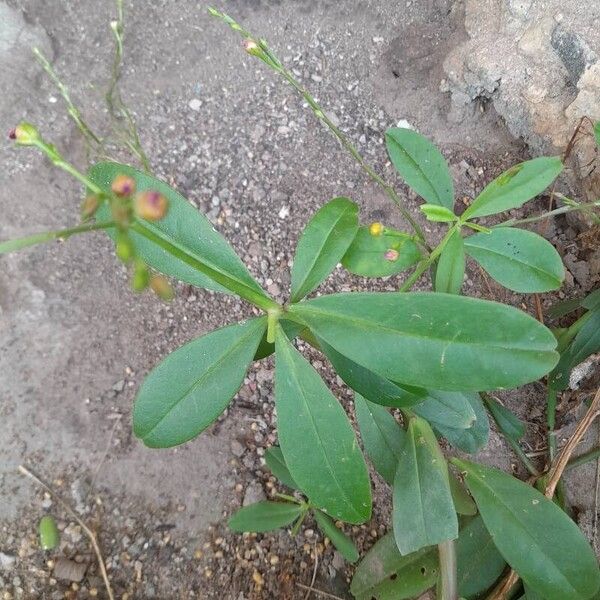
{"x": 76, "y": 343}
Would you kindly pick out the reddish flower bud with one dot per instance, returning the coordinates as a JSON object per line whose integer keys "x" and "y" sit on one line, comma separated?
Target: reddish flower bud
{"x": 123, "y": 185}
{"x": 391, "y": 255}
{"x": 162, "y": 288}
{"x": 252, "y": 47}
{"x": 151, "y": 205}
{"x": 89, "y": 207}
{"x": 12, "y": 134}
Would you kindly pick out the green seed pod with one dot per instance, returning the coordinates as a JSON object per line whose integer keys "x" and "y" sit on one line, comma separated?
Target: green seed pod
{"x": 49, "y": 535}
{"x": 25, "y": 134}
{"x": 141, "y": 277}
{"x": 124, "y": 247}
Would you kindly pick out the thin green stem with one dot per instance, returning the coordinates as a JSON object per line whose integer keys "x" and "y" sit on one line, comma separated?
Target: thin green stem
{"x": 551, "y": 400}
{"x": 522, "y": 456}
{"x": 262, "y": 51}
{"x": 584, "y": 458}
{"x": 448, "y": 586}
{"x": 260, "y": 300}
{"x": 427, "y": 262}
{"x": 299, "y": 521}
{"x": 74, "y": 112}
{"x": 553, "y": 213}
{"x": 48, "y": 236}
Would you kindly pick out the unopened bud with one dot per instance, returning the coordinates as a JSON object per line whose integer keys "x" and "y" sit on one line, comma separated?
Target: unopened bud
{"x": 162, "y": 288}
{"x": 151, "y": 205}
{"x": 89, "y": 207}
{"x": 141, "y": 277}
{"x": 25, "y": 134}
{"x": 124, "y": 247}
{"x": 376, "y": 228}
{"x": 391, "y": 255}
{"x": 252, "y": 47}
{"x": 123, "y": 185}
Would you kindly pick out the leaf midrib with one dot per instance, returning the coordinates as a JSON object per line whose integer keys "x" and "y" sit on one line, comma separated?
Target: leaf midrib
{"x": 375, "y": 325}
{"x": 510, "y": 259}
{"x": 204, "y": 375}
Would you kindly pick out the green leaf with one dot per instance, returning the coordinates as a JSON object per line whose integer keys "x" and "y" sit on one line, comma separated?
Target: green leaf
{"x": 317, "y": 440}
{"x": 383, "y": 439}
{"x": 322, "y": 245}
{"x": 49, "y": 534}
{"x": 440, "y": 341}
{"x": 421, "y": 165}
{"x": 479, "y": 564}
{"x": 518, "y": 259}
{"x": 384, "y": 574}
{"x": 592, "y": 300}
{"x": 450, "y": 269}
{"x": 264, "y": 516}
{"x": 515, "y": 187}
{"x": 510, "y": 425}
{"x": 438, "y": 214}
{"x": 339, "y": 539}
{"x": 192, "y": 386}
{"x": 475, "y": 437}
{"x": 369, "y": 255}
{"x": 203, "y": 257}
{"x": 535, "y": 537}
{"x": 597, "y": 132}
{"x": 276, "y": 463}
{"x": 450, "y": 409}
{"x": 371, "y": 385}
{"x": 532, "y": 595}
{"x": 586, "y": 343}
{"x": 423, "y": 509}
{"x": 463, "y": 503}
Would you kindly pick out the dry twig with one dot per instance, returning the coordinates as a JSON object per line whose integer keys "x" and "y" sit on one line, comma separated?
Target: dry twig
{"x": 84, "y": 527}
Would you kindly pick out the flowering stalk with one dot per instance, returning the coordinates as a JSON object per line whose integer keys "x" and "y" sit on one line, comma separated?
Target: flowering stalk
{"x": 260, "y": 49}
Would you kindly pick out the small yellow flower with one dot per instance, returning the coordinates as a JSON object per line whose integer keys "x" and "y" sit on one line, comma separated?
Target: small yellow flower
{"x": 376, "y": 228}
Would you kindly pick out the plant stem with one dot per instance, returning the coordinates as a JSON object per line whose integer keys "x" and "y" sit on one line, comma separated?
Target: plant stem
{"x": 270, "y": 59}
{"x": 521, "y": 454}
{"x": 448, "y": 587}
{"x": 584, "y": 458}
{"x": 48, "y": 236}
{"x": 427, "y": 262}
{"x": 553, "y": 213}
{"x": 551, "y": 398}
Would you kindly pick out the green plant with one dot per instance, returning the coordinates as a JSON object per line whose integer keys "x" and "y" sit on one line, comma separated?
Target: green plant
{"x": 427, "y": 355}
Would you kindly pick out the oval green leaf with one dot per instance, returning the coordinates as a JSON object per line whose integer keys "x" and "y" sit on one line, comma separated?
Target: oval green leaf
{"x": 264, "y": 516}
{"x": 316, "y": 438}
{"x": 383, "y": 439}
{"x": 450, "y": 409}
{"x": 519, "y": 260}
{"x": 479, "y": 564}
{"x": 184, "y": 244}
{"x": 49, "y": 534}
{"x": 508, "y": 423}
{"x": 586, "y": 343}
{"x": 369, "y": 255}
{"x": 276, "y": 463}
{"x": 421, "y": 165}
{"x": 535, "y": 537}
{"x": 441, "y": 341}
{"x": 192, "y": 386}
{"x": 423, "y": 509}
{"x": 515, "y": 187}
{"x": 384, "y": 574}
{"x": 339, "y": 539}
{"x": 475, "y": 437}
{"x": 371, "y": 385}
{"x": 450, "y": 269}
{"x": 322, "y": 245}
{"x": 463, "y": 503}
{"x": 438, "y": 214}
